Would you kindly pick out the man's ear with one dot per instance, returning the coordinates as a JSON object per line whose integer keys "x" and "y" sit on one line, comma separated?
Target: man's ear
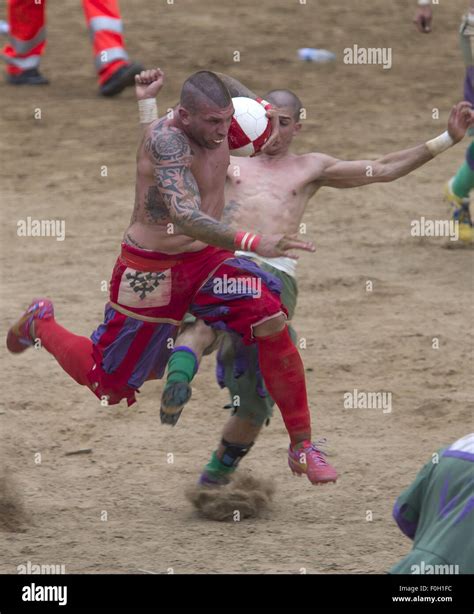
{"x": 297, "y": 127}
{"x": 184, "y": 115}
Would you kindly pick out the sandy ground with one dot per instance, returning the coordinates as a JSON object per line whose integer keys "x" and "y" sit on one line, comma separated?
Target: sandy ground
{"x": 372, "y": 341}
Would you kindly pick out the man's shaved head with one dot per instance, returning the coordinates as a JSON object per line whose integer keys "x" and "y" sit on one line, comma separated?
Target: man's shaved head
{"x": 285, "y": 98}
{"x": 204, "y": 88}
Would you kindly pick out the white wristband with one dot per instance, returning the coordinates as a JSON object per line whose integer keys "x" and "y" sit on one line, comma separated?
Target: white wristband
{"x": 424, "y": 2}
{"x": 147, "y": 110}
{"x": 440, "y": 144}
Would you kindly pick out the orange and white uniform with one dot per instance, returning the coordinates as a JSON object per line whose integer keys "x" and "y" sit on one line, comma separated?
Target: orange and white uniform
{"x": 27, "y": 36}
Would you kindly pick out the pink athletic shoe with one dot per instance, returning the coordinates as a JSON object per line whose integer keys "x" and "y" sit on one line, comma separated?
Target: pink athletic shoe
{"x": 309, "y": 459}
{"x": 19, "y": 337}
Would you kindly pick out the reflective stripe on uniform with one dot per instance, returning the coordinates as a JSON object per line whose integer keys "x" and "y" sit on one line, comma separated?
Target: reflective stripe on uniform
{"x": 23, "y": 63}
{"x": 23, "y": 47}
{"x": 96, "y": 24}
{"x": 107, "y": 56}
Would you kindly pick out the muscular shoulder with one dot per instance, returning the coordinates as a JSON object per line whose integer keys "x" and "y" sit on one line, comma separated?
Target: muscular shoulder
{"x": 315, "y": 164}
{"x": 167, "y": 145}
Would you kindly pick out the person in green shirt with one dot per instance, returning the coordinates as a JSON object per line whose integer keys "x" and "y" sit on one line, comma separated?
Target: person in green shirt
{"x": 437, "y": 512}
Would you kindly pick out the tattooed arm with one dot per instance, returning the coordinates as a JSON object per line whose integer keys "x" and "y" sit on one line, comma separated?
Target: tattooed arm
{"x": 178, "y": 189}
{"x": 230, "y": 209}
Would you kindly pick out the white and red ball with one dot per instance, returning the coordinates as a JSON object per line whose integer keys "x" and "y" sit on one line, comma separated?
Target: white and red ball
{"x": 250, "y": 127}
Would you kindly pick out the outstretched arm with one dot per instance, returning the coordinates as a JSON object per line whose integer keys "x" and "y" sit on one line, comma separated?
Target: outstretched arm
{"x": 354, "y": 173}
{"x": 349, "y": 174}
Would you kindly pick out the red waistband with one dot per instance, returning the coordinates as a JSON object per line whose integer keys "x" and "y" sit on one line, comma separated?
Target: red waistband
{"x": 148, "y": 261}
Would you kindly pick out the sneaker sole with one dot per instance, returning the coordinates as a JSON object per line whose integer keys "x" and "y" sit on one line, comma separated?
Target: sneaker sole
{"x": 175, "y": 397}
{"x": 172, "y": 402}
{"x": 319, "y": 482}
{"x": 14, "y": 345}
{"x": 299, "y": 473}
{"x": 127, "y": 79}
{"x": 13, "y": 340}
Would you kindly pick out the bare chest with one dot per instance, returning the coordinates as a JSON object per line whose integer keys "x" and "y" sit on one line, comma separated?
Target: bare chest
{"x": 278, "y": 188}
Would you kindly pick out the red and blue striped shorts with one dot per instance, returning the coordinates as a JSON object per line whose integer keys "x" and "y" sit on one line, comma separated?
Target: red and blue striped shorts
{"x": 151, "y": 292}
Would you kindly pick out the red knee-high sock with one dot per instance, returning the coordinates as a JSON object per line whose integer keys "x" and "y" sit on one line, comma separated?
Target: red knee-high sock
{"x": 73, "y": 353}
{"x": 283, "y": 372}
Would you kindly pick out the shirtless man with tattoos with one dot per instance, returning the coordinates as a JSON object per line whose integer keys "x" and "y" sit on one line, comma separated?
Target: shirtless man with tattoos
{"x": 175, "y": 250}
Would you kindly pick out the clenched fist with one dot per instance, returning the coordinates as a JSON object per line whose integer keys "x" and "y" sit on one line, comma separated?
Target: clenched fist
{"x": 148, "y": 83}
